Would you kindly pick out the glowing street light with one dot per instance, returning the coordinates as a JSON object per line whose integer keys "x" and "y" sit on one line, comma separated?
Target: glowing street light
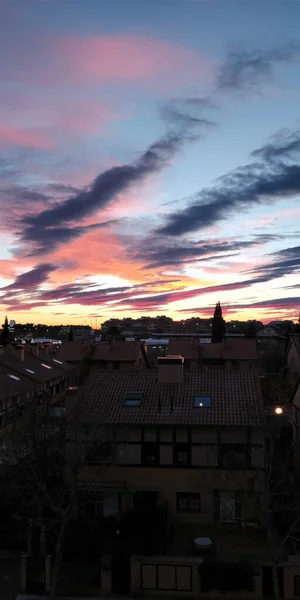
{"x": 278, "y": 410}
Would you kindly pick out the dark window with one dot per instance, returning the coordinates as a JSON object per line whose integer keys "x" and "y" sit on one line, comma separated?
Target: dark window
{"x": 202, "y": 401}
{"x": 188, "y": 502}
{"x": 150, "y": 453}
{"x": 296, "y": 585}
{"x": 181, "y": 453}
{"x": 133, "y": 399}
{"x": 116, "y": 365}
{"x": 235, "y": 364}
{"x": 235, "y": 456}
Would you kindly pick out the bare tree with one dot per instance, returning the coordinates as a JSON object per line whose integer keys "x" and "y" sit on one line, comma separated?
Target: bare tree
{"x": 43, "y": 456}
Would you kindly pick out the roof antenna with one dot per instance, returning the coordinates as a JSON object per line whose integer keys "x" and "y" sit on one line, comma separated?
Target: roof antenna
{"x": 172, "y": 403}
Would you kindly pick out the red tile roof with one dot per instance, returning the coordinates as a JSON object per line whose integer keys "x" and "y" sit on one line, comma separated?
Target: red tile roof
{"x": 119, "y": 351}
{"x": 75, "y": 351}
{"x": 186, "y": 347}
{"x": 240, "y": 349}
{"x": 236, "y": 398}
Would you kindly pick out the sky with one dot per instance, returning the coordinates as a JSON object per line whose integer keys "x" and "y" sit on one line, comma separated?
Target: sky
{"x": 149, "y": 159}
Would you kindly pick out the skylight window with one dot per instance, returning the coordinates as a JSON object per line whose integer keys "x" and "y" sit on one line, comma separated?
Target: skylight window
{"x": 133, "y": 399}
{"x": 59, "y": 362}
{"x": 29, "y": 371}
{"x": 14, "y": 377}
{"x": 202, "y": 401}
{"x": 46, "y": 366}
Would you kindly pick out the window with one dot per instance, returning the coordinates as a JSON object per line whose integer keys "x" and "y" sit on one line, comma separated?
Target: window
{"x": 57, "y": 361}
{"x": 45, "y": 366}
{"x": 202, "y": 401}
{"x": 116, "y": 365}
{"x": 29, "y": 371}
{"x": 14, "y": 377}
{"x": 133, "y": 399}
{"x": 235, "y": 456}
{"x": 181, "y": 453}
{"x": 150, "y": 453}
{"x": 296, "y": 585}
{"x": 188, "y": 502}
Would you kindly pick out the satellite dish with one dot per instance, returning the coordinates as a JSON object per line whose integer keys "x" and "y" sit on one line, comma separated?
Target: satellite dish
{"x": 12, "y": 323}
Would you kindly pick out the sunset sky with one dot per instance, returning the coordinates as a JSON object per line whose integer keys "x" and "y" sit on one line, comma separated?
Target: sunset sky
{"x": 149, "y": 159}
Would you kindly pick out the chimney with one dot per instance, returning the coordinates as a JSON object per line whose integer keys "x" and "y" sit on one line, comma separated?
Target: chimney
{"x": 37, "y": 351}
{"x": 1, "y": 349}
{"x": 170, "y": 369}
{"x": 22, "y": 354}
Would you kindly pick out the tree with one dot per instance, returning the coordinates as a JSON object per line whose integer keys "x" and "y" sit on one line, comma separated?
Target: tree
{"x": 70, "y": 335}
{"x": 42, "y": 458}
{"x": 251, "y": 330}
{"x": 4, "y": 338}
{"x": 113, "y": 330}
{"x": 218, "y": 325}
{"x": 297, "y": 326}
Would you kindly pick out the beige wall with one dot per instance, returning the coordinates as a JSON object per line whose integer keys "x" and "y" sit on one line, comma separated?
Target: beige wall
{"x": 168, "y": 482}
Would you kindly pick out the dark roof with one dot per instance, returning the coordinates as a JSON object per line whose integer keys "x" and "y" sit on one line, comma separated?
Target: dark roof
{"x": 240, "y": 349}
{"x": 236, "y": 398}
{"x": 188, "y": 348}
{"x": 10, "y": 387}
{"x": 75, "y": 351}
{"x": 118, "y": 351}
{"x": 50, "y": 358}
{"x": 12, "y": 360}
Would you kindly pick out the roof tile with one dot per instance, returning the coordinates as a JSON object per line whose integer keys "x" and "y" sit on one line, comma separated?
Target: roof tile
{"x": 236, "y": 398}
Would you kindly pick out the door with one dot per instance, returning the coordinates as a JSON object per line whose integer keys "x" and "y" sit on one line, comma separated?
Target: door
{"x": 144, "y": 500}
{"x": 227, "y": 507}
{"x": 111, "y": 503}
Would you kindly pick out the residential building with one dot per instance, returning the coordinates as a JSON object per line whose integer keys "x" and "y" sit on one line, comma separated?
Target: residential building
{"x": 270, "y": 341}
{"x": 27, "y": 373}
{"x": 122, "y": 355}
{"x": 114, "y": 355}
{"x": 232, "y": 353}
{"x": 293, "y": 360}
{"x": 191, "y": 439}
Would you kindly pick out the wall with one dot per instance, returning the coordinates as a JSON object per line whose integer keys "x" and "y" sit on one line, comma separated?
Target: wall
{"x": 291, "y": 570}
{"x": 177, "y": 576}
{"x": 293, "y": 363}
{"x": 168, "y": 482}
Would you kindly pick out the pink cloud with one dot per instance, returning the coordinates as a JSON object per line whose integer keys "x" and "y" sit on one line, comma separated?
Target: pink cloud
{"x": 126, "y": 57}
{"x": 25, "y": 137}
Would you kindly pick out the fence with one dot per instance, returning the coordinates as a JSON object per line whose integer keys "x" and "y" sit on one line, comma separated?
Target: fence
{"x": 179, "y": 576}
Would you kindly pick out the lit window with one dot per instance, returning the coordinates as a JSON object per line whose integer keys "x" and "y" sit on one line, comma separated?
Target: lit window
{"x": 29, "y": 371}
{"x": 14, "y": 377}
{"x": 59, "y": 362}
{"x": 133, "y": 399}
{"x": 46, "y": 366}
{"x": 202, "y": 401}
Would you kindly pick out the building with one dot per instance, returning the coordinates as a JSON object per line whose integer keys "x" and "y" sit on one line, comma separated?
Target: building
{"x": 27, "y": 374}
{"x": 270, "y": 341}
{"x": 293, "y": 360}
{"x": 190, "y": 439}
{"x": 232, "y": 353}
{"x": 107, "y": 355}
{"x": 128, "y": 355}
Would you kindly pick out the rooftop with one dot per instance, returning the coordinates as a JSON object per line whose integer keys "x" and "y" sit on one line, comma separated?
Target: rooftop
{"x": 31, "y": 367}
{"x": 117, "y": 351}
{"x": 12, "y": 384}
{"x": 235, "y": 398}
